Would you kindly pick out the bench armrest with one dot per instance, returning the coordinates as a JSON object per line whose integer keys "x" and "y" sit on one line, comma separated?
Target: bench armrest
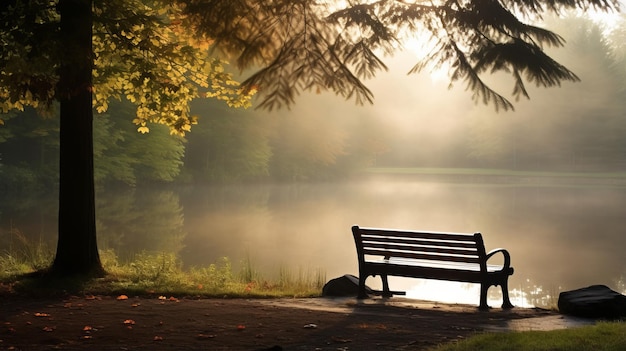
{"x": 505, "y": 253}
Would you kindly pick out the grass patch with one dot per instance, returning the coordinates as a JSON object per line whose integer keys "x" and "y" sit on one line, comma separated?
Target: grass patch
{"x": 604, "y": 336}
{"x": 156, "y": 274}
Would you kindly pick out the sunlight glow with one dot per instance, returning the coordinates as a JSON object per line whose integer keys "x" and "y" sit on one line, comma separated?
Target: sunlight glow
{"x": 607, "y": 20}
{"x": 420, "y": 47}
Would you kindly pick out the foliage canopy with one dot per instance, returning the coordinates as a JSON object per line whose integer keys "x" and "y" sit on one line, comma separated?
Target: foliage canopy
{"x": 140, "y": 53}
{"x": 305, "y": 45}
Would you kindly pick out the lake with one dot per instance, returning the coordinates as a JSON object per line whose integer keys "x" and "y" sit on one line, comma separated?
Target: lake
{"x": 561, "y": 235}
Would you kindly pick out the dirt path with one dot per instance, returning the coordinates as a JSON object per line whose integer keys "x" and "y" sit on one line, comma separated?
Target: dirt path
{"x": 109, "y": 323}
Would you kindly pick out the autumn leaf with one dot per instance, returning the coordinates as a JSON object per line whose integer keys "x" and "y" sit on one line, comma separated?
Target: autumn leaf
{"x": 241, "y": 327}
{"x": 158, "y": 338}
{"x": 42, "y": 314}
{"x": 129, "y": 322}
{"x": 122, "y": 297}
{"x": 205, "y": 336}
{"x": 48, "y": 329}
{"x": 340, "y": 340}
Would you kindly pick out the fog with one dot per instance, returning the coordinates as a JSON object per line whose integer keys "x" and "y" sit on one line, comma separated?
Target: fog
{"x": 562, "y": 232}
{"x": 577, "y": 126}
{"x": 559, "y": 237}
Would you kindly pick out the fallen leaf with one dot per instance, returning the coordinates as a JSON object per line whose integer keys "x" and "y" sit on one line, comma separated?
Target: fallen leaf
{"x": 42, "y": 314}
{"x": 129, "y": 322}
{"x": 122, "y": 297}
{"x": 205, "y": 336}
{"x": 340, "y": 340}
{"x": 87, "y": 328}
{"x": 158, "y": 338}
{"x": 172, "y": 298}
{"x": 241, "y": 327}
{"x": 48, "y": 329}
{"x": 162, "y": 298}
{"x": 135, "y": 305}
{"x": 372, "y": 326}
{"x": 87, "y": 337}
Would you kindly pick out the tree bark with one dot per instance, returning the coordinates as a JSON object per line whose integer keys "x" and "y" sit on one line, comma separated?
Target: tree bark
{"x": 77, "y": 248}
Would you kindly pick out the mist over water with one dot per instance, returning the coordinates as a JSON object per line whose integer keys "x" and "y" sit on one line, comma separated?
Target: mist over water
{"x": 559, "y": 237}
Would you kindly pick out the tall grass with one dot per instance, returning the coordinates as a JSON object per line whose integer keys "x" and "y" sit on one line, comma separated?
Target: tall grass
{"x": 164, "y": 273}
{"x": 23, "y": 255}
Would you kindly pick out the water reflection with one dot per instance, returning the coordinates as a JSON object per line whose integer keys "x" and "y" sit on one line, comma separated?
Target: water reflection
{"x": 560, "y": 238}
{"x": 128, "y": 221}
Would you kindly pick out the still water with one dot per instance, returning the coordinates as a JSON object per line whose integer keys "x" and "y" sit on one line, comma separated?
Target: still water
{"x": 560, "y": 236}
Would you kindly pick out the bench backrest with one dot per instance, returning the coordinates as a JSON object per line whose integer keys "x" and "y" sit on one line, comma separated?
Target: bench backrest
{"x": 438, "y": 246}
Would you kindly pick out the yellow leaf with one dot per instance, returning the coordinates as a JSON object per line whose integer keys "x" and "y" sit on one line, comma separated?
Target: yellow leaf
{"x": 143, "y": 129}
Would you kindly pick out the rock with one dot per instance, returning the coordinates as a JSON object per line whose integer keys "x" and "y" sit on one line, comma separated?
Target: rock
{"x": 347, "y": 285}
{"x": 596, "y": 301}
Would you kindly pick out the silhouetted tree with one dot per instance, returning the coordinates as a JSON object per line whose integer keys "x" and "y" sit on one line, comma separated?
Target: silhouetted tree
{"x": 304, "y": 45}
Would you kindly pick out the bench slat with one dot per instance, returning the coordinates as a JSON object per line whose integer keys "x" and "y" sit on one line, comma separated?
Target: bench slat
{"x": 418, "y": 241}
{"x": 440, "y": 264}
{"x": 423, "y": 256}
{"x": 414, "y": 234}
{"x": 426, "y": 249}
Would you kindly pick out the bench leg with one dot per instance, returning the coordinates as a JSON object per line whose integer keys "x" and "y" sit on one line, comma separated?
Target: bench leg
{"x": 362, "y": 294}
{"x": 484, "y": 287}
{"x": 506, "y": 303}
{"x": 386, "y": 292}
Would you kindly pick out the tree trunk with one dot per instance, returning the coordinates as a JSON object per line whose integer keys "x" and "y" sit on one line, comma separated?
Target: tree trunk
{"x": 77, "y": 249}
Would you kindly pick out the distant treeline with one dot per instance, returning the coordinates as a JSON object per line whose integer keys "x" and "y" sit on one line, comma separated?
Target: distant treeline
{"x": 228, "y": 145}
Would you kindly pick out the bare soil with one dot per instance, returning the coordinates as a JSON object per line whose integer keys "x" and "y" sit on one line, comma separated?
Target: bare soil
{"x": 168, "y": 323}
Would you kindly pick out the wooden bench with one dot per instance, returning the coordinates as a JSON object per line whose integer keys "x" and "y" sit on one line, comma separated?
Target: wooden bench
{"x": 431, "y": 255}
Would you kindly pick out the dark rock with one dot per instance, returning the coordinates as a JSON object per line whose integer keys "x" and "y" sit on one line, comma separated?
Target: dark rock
{"x": 596, "y": 301}
{"x": 347, "y": 285}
